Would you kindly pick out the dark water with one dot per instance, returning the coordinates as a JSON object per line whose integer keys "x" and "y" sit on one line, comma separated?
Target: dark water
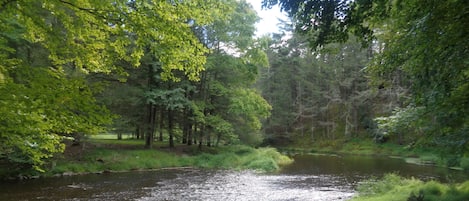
{"x": 356, "y": 168}
{"x": 321, "y": 178}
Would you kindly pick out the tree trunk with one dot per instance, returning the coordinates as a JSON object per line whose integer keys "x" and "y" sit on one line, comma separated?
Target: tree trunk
{"x": 151, "y": 111}
{"x": 209, "y": 140}
{"x": 399, "y": 138}
{"x": 137, "y": 132}
{"x": 160, "y": 138}
{"x": 194, "y": 136}
{"x": 170, "y": 128}
{"x": 189, "y": 134}
{"x": 218, "y": 140}
{"x": 201, "y": 136}
{"x": 185, "y": 127}
{"x": 150, "y": 126}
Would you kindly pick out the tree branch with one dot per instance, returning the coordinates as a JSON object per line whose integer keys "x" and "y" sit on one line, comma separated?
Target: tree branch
{"x": 89, "y": 10}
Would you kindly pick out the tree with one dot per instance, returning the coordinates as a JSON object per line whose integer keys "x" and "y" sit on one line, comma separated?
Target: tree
{"x": 328, "y": 21}
{"x": 224, "y": 91}
{"x": 431, "y": 53}
{"x": 73, "y": 31}
{"x": 39, "y": 107}
{"x": 315, "y": 94}
{"x": 48, "y": 47}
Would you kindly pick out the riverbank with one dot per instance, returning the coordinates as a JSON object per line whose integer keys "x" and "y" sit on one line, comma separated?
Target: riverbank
{"x": 101, "y": 156}
{"x": 411, "y": 154}
{"x": 396, "y": 188}
{"x": 392, "y": 187}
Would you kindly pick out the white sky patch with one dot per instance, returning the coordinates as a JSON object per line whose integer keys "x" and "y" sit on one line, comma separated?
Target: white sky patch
{"x": 269, "y": 18}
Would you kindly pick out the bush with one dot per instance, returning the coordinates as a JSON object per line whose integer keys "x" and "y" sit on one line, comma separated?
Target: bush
{"x": 402, "y": 120}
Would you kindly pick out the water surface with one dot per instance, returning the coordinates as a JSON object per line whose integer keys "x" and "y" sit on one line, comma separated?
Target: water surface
{"x": 310, "y": 177}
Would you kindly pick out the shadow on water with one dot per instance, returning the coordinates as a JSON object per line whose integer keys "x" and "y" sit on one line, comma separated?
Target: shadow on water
{"x": 118, "y": 186}
{"x": 310, "y": 177}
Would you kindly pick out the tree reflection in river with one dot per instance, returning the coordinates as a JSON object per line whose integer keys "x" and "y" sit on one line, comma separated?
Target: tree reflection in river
{"x": 310, "y": 177}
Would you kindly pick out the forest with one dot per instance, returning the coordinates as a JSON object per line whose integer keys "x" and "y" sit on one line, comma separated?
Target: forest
{"x": 193, "y": 73}
{"x": 392, "y": 71}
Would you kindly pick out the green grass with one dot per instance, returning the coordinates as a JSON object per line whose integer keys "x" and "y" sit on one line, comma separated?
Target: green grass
{"x": 104, "y": 159}
{"x": 122, "y": 142}
{"x": 109, "y": 158}
{"x": 108, "y": 136}
{"x": 395, "y": 188}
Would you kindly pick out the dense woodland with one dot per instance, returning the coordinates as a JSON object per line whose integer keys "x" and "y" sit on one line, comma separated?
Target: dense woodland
{"x": 193, "y": 72}
{"x": 408, "y": 84}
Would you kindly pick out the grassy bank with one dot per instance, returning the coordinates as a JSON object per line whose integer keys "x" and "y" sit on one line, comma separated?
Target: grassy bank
{"x": 395, "y": 188}
{"x": 416, "y": 155}
{"x": 124, "y": 155}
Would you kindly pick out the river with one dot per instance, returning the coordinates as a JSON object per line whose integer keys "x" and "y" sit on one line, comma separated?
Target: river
{"x": 310, "y": 177}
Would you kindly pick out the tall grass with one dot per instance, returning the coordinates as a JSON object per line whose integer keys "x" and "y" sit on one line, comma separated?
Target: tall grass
{"x": 230, "y": 157}
{"x": 243, "y": 157}
{"x": 395, "y": 188}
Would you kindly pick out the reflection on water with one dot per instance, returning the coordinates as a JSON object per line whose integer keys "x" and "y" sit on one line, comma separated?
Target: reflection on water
{"x": 246, "y": 185}
{"x": 118, "y": 186}
{"x": 317, "y": 178}
{"x": 357, "y": 168}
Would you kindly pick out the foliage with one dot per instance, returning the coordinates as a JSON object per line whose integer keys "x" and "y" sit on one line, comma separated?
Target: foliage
{"x": 250, "y": 105}
{"x": 170, "y": 99}
{"x": 222, "y": 128}
{"x": 92, "y": 35}
{"x": 39, "y": 108}
{"x": 435, "y": 61}
{"x": 226, "y": 104}
{"x": 401, "y": 121}
{"x": 326, "y": 21}
{"x": 50, "y": 49}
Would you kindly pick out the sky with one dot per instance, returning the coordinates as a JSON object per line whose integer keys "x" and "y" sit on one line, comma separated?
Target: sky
{"x": 269, "y": 18}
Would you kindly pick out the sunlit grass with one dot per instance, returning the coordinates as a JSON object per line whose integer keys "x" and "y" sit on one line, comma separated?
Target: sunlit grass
{"x": 108, "y": 136}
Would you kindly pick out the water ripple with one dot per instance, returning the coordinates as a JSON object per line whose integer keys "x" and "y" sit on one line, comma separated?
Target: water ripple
{"x": 247, "y": 185}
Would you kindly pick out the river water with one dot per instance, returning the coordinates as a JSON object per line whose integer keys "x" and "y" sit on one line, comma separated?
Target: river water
{"x": 310, "y": 177}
